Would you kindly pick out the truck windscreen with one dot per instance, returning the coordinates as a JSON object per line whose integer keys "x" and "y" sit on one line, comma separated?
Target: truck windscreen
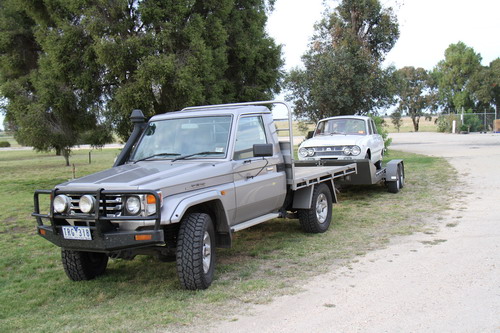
{"x": 171, "y": 138}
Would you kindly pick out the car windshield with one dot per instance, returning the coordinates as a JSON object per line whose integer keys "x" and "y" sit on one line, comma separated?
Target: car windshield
{"x": 180, "y": 138}
{"x": 341, "y": 126}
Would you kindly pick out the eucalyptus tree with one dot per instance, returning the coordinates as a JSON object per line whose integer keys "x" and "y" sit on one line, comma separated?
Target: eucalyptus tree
{"x": 343, "y": 72}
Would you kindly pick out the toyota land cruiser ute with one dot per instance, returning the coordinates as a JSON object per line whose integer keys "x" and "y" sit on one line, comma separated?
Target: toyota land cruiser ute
{"x": 182, "y": 185}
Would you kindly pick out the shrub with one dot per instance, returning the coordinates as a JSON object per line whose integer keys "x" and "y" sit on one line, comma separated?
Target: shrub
{"x": 4, "y": 144}
{"x": 444, "y": 122}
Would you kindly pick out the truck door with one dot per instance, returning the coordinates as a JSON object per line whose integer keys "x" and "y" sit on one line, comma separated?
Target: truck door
{"x": 259, "y": 187}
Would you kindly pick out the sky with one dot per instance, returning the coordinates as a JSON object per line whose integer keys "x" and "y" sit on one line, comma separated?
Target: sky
{"x": 427, "y": 28}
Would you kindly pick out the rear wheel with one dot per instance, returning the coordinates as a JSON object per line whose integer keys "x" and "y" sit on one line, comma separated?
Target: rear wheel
{"x": 317, "y": 219}
{"x": 195, "y": 254}
{"x": 80, "y": 265}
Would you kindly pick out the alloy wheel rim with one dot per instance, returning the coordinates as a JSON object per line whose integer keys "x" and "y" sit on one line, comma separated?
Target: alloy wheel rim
{"x": 207, "y": 252}
{"x": 321, "y": 208}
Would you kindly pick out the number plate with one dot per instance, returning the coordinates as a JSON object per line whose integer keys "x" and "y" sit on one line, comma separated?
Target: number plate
{"x": 80, "y": 233}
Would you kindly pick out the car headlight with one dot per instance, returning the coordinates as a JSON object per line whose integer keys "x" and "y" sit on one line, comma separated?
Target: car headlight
{"x": 133, "y": 205}
{"x": 347, "y": 151}
{"x": 87, "y": 204}
{"x": 61, "y": 204}
{"x": 303, "y": 152}
{"x": 355, "y": 150}
{"x": 310, "y": 151}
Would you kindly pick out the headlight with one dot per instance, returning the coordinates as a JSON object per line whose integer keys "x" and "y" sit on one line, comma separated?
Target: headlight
{"x": 133, "y": 205}
{"x": 355, "y": 150}
{"x": 303, "y": 152}
{"x": 347, "y": 151}
{"x": 61, "y": 204}
{"x": 87, "y": 204}
{"x": 310, "y": 151}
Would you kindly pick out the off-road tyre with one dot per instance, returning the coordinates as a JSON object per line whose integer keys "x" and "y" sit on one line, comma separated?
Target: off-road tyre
{"x": 195, "y": 253}
{"x": 317, "y": 219}
{"x": 80, "y": 265}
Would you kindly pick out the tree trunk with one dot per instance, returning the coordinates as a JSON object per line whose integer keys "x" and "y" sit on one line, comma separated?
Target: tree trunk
{"x": 415, "y": 121}
{"x": 66, "y": 153}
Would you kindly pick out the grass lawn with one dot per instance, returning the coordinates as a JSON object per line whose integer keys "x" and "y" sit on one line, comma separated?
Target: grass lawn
{"x": 9, "y": 138}
{"x": 267, "y": 260}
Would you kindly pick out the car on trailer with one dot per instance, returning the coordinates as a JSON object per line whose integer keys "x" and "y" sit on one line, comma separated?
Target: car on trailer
{"x": 344, "y": 138}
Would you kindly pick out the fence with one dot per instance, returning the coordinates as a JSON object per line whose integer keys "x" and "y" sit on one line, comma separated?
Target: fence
{"x": 477, "y": 122}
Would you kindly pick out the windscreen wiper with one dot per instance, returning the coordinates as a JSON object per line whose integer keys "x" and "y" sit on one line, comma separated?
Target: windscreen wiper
{"x": 156, "y": 155}
{"x": 200, "y": 153}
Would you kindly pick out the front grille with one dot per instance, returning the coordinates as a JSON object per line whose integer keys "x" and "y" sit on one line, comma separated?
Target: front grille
{"x": 329, "y": 151}
{"x": 109, "y": 206}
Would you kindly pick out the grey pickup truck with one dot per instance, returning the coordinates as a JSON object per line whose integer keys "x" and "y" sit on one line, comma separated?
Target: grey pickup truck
{"x": 182, "y": 185}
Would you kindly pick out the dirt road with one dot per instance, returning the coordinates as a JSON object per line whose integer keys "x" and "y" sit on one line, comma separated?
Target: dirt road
{"x": 444, "y": 282}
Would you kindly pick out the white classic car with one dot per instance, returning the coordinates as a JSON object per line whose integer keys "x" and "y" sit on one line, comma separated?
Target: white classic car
{"x": 344, "y": 138}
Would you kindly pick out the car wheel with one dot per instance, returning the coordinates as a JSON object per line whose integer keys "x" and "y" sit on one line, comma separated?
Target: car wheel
{"x": 195, "y": 254}
{"x": 80, "y": 265}
{"x": 317, "y": 219}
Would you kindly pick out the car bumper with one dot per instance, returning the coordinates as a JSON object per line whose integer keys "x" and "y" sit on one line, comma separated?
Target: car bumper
{"x": 103, "y": 236}
{"x": 106, "y": 242}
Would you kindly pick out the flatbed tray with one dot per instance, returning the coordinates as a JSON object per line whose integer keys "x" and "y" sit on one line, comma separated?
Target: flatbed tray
{"x": 307, "y": 175}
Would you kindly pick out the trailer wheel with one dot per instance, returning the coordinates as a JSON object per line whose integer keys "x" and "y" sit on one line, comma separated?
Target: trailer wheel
{"x": 317, "y": 219}
{"x": 195, "y": 254}
{"x": 401, "y": 176}
{"x": 395, "y": 186}
{"x": 80, "y": 265}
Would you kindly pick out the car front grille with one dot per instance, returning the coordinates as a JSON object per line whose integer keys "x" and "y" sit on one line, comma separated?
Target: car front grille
{"x": 329, "y": 151}
{"x": 109, "y": 206}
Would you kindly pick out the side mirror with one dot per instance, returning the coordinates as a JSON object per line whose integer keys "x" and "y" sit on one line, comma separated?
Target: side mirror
{"x": 263, "y": 150}
{"x": 310, "y": 134}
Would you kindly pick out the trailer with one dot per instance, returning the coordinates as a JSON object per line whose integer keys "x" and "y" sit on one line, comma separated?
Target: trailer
{"x": 392, "y": 174}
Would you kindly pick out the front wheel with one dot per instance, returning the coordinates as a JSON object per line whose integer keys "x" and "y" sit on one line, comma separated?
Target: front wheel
{"x": 317, "y": 219}
{"x": 80, "y": 265}
{"x": 195, "y": 254}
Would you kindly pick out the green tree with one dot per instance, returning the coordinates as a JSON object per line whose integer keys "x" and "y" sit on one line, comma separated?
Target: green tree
{"x": 162, "y": 55}
{"x": 413, "y": 93}
{"x": 53, "y": 91}
{"x": 343, "y": 71}
{"x": 453, "y": 77}
{"x": 83, "y": 65}
{"x": 396, "y": 120}
{"x": 485, "y": 87}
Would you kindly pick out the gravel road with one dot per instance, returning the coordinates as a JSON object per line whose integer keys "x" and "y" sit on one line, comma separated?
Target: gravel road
{"x": 445, "y": 282}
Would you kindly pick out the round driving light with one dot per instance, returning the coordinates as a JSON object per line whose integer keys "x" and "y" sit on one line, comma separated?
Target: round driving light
{"x": 347, "y": 151}
{"x": 310, "y": 152}
{"x": 61, "y": 203}
{"x": 87, "y": 204}
{"x": 133, "y": 205}
{"x": 303, "y": 152}
{"x": 355, "y": 150}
